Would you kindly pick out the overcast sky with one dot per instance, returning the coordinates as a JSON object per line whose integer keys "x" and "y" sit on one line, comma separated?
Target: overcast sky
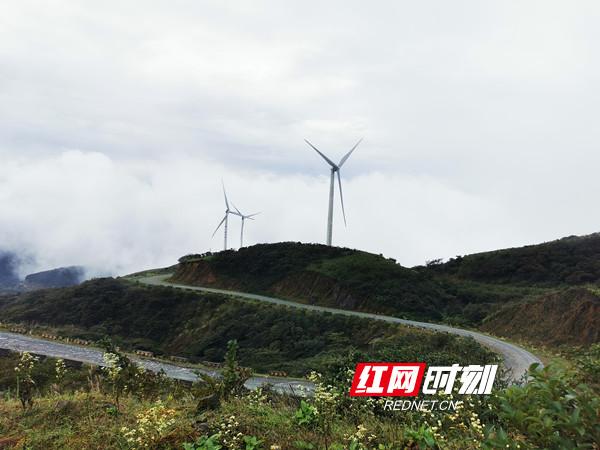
{"x": 119, "y": 119}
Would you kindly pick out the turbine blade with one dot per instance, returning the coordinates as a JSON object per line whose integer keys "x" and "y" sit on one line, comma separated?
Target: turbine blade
{"x": 341, "y": 196}
{"x": 252, "y": 215}
{"x": 219, "y": 226}
{"x": 238, "y": 211}
{"x": 331, "y": 163}
{"x": 347, "y": 155}
{"x": 225, "y": 195}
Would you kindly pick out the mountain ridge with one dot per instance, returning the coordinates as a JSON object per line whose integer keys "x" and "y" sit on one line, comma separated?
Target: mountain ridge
{"x": 463, "y": 291}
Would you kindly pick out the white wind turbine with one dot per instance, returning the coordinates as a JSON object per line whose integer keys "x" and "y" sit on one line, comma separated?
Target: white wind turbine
{"x": 244, "y": 217}
{"x": 225, "y": 219}
{"x": 335, "y": 168}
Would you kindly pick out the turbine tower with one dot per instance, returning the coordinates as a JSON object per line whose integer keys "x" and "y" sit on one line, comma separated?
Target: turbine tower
{"x": 225, "y": 220}
{"x": 335, "y": 168}
{"x": 244, "y": 217}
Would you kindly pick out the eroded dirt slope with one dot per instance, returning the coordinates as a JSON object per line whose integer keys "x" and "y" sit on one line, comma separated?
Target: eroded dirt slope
{"x": 570, "y": 316}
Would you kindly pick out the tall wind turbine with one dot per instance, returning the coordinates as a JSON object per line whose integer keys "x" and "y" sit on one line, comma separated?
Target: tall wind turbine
{"x": 225, "y": 220}
{"x": 244, "y": 217}
{"x": 335, "y": 168}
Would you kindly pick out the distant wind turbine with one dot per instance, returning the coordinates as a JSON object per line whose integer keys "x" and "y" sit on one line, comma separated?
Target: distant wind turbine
{"x": 334, "y": 168}
{"x": 244, "y": 217}
{"x": 225, "y": 220}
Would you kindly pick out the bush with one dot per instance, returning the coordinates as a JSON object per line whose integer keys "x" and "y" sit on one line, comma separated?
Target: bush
{"x": 551, "y": 411}
{"x": 25, "y": 381}
{"x": 306, "y": 414}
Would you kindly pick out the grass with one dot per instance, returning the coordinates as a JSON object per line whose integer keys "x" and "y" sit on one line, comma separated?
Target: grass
{"x": 86, "y": 416}
{"x": 80, "y": 420}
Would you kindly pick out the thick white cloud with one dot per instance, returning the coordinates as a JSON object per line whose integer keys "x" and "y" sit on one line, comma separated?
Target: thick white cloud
{"x": 477, "y": 118}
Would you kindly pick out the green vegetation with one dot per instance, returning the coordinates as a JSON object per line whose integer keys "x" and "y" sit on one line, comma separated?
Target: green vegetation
{"x": 323, "y": 275}
{"x": 525, "y": 293}
{"x": 551, "y": 411}
{"x": 464, "y": 291}
{"x": 43, "y": 372}
{"x": 571, "y": 260}
{"x": 557, "y": 409}
{"x": 170, "y": 321}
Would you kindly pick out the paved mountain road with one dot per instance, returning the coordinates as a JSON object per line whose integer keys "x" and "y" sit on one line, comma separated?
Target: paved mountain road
{"x": 24, "y": 343}
{"x": 516, "y": 359}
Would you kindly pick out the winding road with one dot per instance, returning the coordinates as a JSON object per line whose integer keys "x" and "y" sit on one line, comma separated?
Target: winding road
{"x": 24, "y": 343}
{"x": 516, "y": 359}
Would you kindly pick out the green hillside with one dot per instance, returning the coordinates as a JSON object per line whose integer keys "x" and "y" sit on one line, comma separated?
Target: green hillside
{"x": 348, "y": 279}
{"x": 568, "y": 261}
{"x": 198, "y": 326}
{"x": 463, "y": 291}
{"x": 322, "y": 275}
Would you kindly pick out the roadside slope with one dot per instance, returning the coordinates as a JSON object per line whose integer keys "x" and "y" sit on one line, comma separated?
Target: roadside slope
{"x": 566, "y": 317}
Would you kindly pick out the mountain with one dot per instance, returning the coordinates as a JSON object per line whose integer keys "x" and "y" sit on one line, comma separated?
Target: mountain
{"x": 505, "y": 289}
{"x": 318, "y": 274}
{"x": 523, "y": 292}
{"x": 9, "y": 279}
{"x": 55, "y": 278}
{"x": 571, "y": 260}
{"x": 345, "y": 278}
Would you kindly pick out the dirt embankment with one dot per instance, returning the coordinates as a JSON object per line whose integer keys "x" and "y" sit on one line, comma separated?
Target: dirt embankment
{"x": 305, "y": 286}
{"x": 315, "y": 288}
{"x": 197, "y": 273}
{"x": 571, "y": 316}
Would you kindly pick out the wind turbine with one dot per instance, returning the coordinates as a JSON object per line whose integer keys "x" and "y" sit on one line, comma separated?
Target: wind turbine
{"x": 335, "y": 168}
{"x": 225, "y": 219}
{"x": 244, "y": 217}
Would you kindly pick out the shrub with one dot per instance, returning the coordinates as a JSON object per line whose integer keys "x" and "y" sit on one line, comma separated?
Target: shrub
{"x": 119, "y": 371}
{"x": 25, "y": 381}
{"x": 60, "y": 371}
{"x": 234, "y": 376}
{"x": 550, "y": 411}
{"x": 204, "y": 443}
{"x": 306, "y": 414}
{"x": 152, "y": 425}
